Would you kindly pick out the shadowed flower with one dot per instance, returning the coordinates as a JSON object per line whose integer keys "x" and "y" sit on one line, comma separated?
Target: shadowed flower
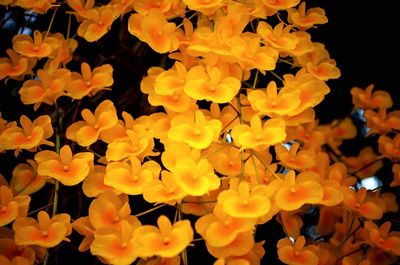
{"x": 12, "y": 207}
{"x": 365, "y": 99}
{"x": 69, "y": 169}
{"x": 361, "y": 205}
{"x": 16, "y": 66}
{"x": 305, "y": 19}
{"x": 97, "y": 23}
{"x": 46, "y": 232}
{"x": 292, "y": 159}
{"x": 83, "y": 226}
{"x": 25, "y": 178}
{"x": 93, "y": 185}
{"x": 296, "y": 254}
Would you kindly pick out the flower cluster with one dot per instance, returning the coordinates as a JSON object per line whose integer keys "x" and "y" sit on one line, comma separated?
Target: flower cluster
{"x": 234, "y": 142}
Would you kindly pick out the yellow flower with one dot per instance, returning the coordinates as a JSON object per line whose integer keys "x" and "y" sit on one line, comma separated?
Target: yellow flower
{"x": 198, "y": 133}
{"x": 259, "y": 135}
{"x": 166, "y": 241}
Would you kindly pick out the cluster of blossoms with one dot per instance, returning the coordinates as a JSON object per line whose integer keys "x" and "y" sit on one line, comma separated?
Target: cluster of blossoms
{"x": 234, "y": 144}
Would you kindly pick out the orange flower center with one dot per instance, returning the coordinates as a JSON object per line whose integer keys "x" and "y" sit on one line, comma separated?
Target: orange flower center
{"x": 231, "y": 163}
{"x": 197, "y": 132}
{"x": 100, "y": 23}
{"x": 274, "y": 104}
{"x": 297, "y": 253}
{"x": 116, "y": 219}
{"x": 45, "y": 233}
{"x": 88, "y": 83}
{"x": 29, "y": 137}
{"x": 293, "y": 190}
{"x": 357, "y": 205}
{"x": 259, "y": 136}
{"x": 3, "y": 209}
{"x": 36, "y": 48}
{"x": 65, "y": 167}
{"x": 166, "y": 240}
{"x": 381, "y": 240}
{"x": 96, "y": 126}
{"x": 135, "y": 178}
{"x": 124, "y": 244}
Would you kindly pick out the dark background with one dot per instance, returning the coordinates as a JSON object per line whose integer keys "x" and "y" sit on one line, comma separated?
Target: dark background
{"x": 361, "y": 36}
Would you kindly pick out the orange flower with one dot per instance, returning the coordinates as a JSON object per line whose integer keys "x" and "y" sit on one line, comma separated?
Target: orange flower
{"x": 116, "y": 246}
{"x": 206, "y": 7}
{"x": 93, "y": 185}
{"x": 396, "y": 178}
{"x": 155, "y": 30}
{"x": 165, "y": 241}
{"x": 365, "y": 99}
{"x": 297, "y": 191}
{"x": 65, "y": 167}
{"x": 46, "y": 232}
{"x": 382, "y": 123}
{"x": 244, "y": 203}
{"x": 133, "y": 177}
{"x": 294, "y": 160}
{"x": 280, "y": 4}
{"x": 29, "y": 137}
{"x": 306, "y": 19}
{"x": 219, "y": 229}
{"x": 361, "y": 205}
{"x": 296, "y": 254}
{"x": 291, "y": 223}
{"x": 12, "y": 207}
{"x": 82, "y": 8}
{"x": 241, "y": 245}
{"x": 36, "y": 47}
{"x": 365, "y": 162}
{"x": 25, "y": 178}
{"x": 97, "y": 23}
{"x": 83, "y": 226}
{"x": 271, "y": 103}
{"x": 109, "y": 210}
{"x": 88, "y": 131}
{"x": 381, "y": 238}
{"x": 195, "y": 177}
{"x": 225, "y": 159}
{"x": 16, "y": 66}
{"x": 90, "y": 82}
{"x": 390, "y": 148}
{"x": 38, "y": 6}
{"x": 164, "y": 191}
{"x": 139, "y": 143}
{"x": 211, "y": 83}
{"x": 280, "y": 37}
{"x": 312, "y": 91}
{"x": 197, "y": 132}
{"x": 49, "y": 87}
{"x": 259, "y": 135}
{"x": 12, "y": 254}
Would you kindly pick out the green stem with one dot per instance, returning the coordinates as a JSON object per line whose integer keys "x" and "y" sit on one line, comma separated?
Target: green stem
{"x": 149, "y": 211}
